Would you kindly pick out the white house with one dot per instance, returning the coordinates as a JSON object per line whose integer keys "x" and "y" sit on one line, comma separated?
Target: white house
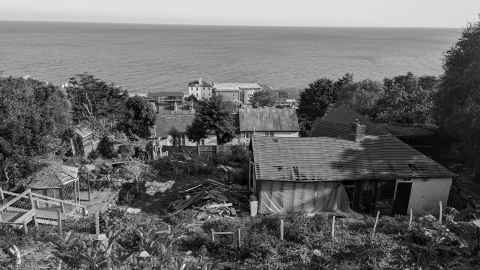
{"x": 200, "y": 89}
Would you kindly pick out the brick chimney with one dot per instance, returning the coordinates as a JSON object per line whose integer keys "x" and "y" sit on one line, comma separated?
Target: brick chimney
{"x": 360, "y": 130}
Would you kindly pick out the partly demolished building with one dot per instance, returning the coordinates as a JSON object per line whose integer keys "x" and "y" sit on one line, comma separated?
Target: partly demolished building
{"x": 353, "y": 170}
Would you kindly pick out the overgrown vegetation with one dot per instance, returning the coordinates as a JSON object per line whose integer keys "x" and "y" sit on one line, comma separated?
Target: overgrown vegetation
{"x": 212, "y": 116}
{"x": 33, "y": 116}
{"x": 404, "y": 99}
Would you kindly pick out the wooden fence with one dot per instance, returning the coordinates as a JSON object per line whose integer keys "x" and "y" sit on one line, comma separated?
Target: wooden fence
{"x": 204, "y": 151}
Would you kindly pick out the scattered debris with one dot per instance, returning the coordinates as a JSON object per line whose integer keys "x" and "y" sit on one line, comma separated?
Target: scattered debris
{"x": 131, "y": 210}
{"x": 154, "y": 187}
{"x": 209, "y": 199}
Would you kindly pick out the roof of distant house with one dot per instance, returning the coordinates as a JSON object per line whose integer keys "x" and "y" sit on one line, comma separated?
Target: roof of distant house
{"x": 381, "y": 157}
{"x": 199, "y": 83}
{"x": 219, "y": 87}
{"x": 268, "y": 119}
{"x": 166, "y": 122}
{"x": 165, "y": 94}
{"x": 53, "y": 175}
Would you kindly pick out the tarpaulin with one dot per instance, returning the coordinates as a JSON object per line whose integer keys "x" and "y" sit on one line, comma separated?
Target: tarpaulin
{"x": 308, "y": 197}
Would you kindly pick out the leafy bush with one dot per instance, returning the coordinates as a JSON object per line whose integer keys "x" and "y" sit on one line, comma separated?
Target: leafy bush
{"x": 105, "y": 148}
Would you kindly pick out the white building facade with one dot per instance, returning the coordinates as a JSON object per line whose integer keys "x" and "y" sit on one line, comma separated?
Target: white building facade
{"x": 200, "y": 89}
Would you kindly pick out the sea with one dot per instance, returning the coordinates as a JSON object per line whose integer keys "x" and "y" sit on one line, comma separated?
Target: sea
{"x": 150, "y": 58}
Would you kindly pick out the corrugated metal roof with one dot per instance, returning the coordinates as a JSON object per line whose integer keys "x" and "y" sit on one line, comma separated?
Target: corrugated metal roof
{"x": 268, "y": 119}
{"x": 331, "y": 159}
{"x": 165, "y": 122}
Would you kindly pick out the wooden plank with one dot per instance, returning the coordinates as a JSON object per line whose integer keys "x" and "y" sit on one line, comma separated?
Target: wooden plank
{"x": 16, "y": 199}
{"x": 47, "y": 222}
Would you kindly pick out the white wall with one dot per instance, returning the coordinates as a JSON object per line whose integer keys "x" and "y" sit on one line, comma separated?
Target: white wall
{"x": 426, "y": 194}
{"x": 286, "y": 134}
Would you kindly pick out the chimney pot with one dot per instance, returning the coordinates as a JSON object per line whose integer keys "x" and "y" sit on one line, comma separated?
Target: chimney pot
{"x": 360, "y": 130}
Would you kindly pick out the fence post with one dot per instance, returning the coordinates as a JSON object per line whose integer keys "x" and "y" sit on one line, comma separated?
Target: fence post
{"x": 2, "y": 196}
{"x": 239, "y": 237}
{"x": 333, "y": 228}
{"x": 25, "y": 227}
{"x": 97, "y": 224}
{"x": 375, "y": 225}
{"x": 59, "y": 217}
{"x": 213, "y": 235}
{"x": 410, "y": 220}
{"x": 282, "y": 229}
{"x": 440, "y": 214}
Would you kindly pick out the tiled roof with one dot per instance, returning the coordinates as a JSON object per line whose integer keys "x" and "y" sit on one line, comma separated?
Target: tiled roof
{"x": 268, "y": 119}
{"x": 196, "y": 83}
{"x": 330, "y": 159}
{"x": 165, "y": 122}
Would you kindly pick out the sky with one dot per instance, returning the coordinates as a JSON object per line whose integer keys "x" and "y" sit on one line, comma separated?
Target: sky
{"x": 328, "y": 13}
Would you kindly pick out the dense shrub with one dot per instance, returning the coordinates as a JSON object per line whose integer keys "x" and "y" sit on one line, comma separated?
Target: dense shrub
{"x": 105, "y": 148}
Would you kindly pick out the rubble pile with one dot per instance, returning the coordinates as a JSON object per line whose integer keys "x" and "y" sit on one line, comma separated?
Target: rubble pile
{"x": 153, "y": 187}
{"x": 209, "y": 199}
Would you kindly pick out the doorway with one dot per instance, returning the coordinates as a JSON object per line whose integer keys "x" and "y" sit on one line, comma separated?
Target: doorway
{"x": 402, "y": 198}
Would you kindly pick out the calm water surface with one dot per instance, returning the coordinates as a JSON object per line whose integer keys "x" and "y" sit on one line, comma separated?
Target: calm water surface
{"x": 164, "y": 58}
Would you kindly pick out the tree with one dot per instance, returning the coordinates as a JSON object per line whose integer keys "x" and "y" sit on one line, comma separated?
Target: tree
{"x": 139, "y": 117}
{"x": 406, "y": 100}
{"x": 106, "y": 148}
{"x": 314, "y": 101}
{"x": 457, "y": 104}
{"x": 33, "y": 115}
{"x": 176, "y": 136}
{"x": 197, "y": 131}
{"x": 95, "y": 100}
{"x": 263, "y": 98}
{"x": 212, "y": 116}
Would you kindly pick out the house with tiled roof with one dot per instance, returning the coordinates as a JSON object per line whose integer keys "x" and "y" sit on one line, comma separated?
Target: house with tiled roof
{"x": 268, "y": 121}
{"x": 177, "y": 122}
{"x": 361, "y": 172}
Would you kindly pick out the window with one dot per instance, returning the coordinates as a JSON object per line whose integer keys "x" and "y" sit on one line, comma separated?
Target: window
{"x": 269, "y": 133}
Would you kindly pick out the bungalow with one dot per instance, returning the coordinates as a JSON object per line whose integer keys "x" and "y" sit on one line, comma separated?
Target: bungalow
{"x": 268, "y": 121}
{"x": 177, "y": 123}
{"x": 364, "y": 173}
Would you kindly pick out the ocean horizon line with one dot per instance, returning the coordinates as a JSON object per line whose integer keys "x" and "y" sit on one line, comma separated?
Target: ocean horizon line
{"x": 227, "y": 25}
